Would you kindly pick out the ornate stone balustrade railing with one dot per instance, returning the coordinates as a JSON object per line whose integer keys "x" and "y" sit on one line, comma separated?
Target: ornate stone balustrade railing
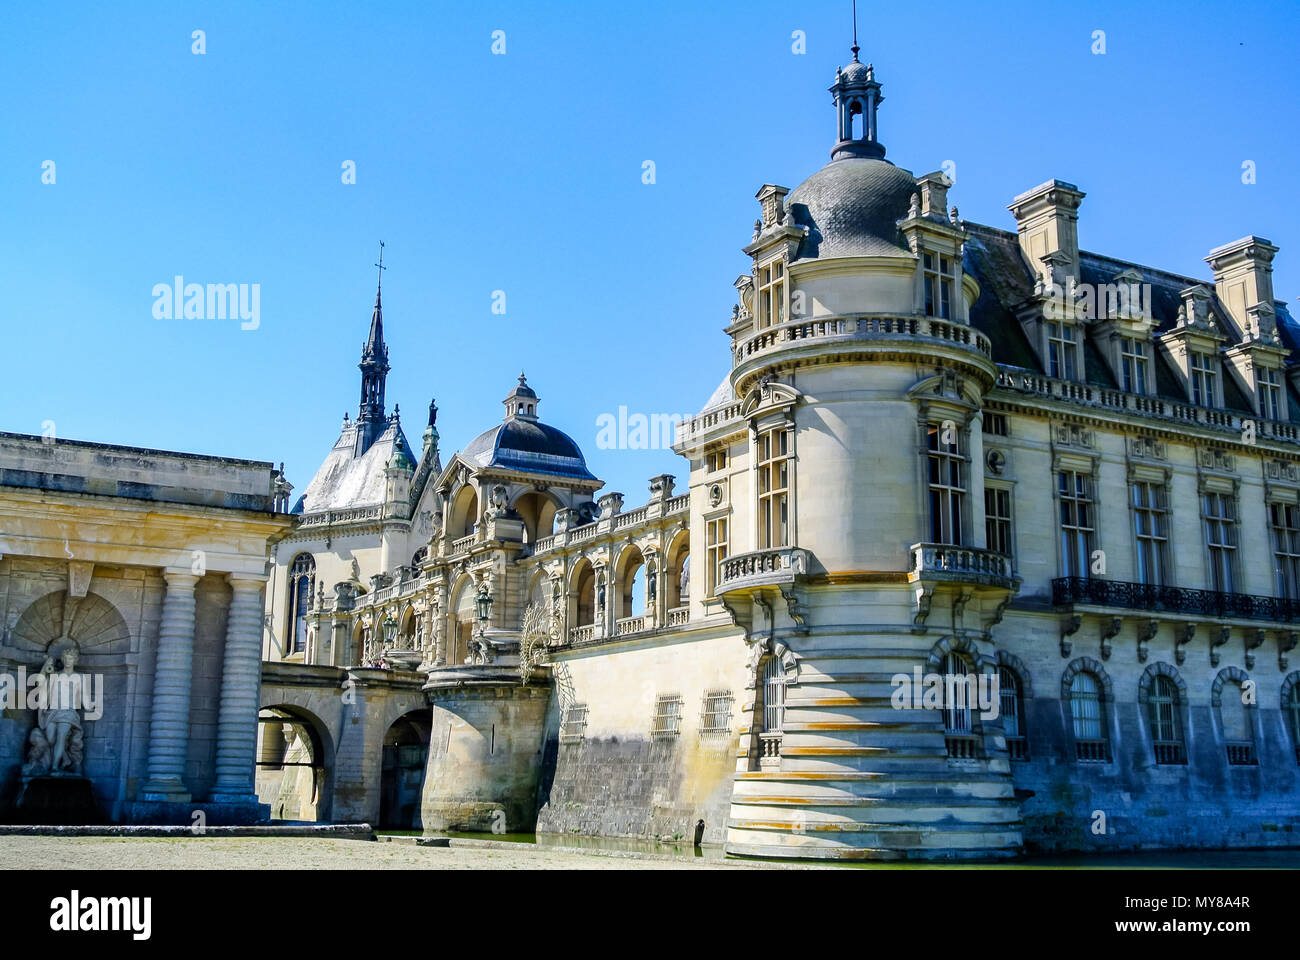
{"x": 461, "y": 545}
{"x": 330, "y": 517}
{"x": 861, "y": 327}
{"x": 945, "y": 562}
{"x": 679, "y": 616}
{"x": 582, "y": 634}
{"x": 762, "y": 568}
{"x": 626, "y": 625}
{"x": 1118, "y": 400}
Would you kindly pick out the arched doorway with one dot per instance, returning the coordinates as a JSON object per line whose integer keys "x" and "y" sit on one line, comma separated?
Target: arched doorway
{"x": 293, "y": 765}
{"x": 406, "y": 752}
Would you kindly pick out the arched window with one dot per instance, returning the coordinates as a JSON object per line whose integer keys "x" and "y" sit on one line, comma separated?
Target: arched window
{"x": 1166, "y": 730}
{"x": 1291, "y": 707}
{"x": 1088, "y": 711}
{"x": 302, "y": 578}
{"x": 1013, "y": 713}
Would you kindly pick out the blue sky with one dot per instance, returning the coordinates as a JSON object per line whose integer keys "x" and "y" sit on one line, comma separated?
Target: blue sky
{"x": 523, "y": 173}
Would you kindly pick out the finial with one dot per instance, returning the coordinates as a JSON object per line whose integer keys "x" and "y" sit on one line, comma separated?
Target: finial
{"x": 952, "y": 215}
{"x": 522, "y": 381}
{"x": 380, "y": 264}
{"x": 855, "y": 46}
{"x": 397, "y": 410}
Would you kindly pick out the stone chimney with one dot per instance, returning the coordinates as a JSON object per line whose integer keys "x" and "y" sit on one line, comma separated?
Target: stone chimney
{"x": 1047, "y": 219}
{"x": 1243, "y": 279}
{"x": 771, "y": 199}
{"x": 934, "y": 195}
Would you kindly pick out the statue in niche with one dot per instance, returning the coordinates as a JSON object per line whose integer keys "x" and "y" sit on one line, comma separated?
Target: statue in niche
{"x": 56, "y": 743}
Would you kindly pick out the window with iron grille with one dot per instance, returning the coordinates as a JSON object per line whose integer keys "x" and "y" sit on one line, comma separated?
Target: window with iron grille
{"x": 1286, "y": 548}
{"x": 1238, "y": 736}
{"x": 667, "y": 720}
{"x": 1166, "y": 729}
{"x": 1220, "y": 539}
{"x": 1088, "y": 713}
{"x": 1013, "y": 713}
{"x": 773, "y": 695}
{"x": 573, "y": 728}
{"x": 715, "y": 713}
{"x": 1151, "y": 527}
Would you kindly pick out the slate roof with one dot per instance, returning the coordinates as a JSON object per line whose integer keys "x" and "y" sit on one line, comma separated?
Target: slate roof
{"x": 346, "y": 480}
{"x": 851, "y": 208}
{"x": 994, "y": 258}
{"x": 528, "y": 445}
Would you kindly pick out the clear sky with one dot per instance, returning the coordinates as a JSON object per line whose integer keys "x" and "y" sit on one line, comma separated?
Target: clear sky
{"x": 523, "y": 173}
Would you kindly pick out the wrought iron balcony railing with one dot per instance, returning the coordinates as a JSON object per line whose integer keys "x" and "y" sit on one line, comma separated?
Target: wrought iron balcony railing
{"x": 1067, "y": 591}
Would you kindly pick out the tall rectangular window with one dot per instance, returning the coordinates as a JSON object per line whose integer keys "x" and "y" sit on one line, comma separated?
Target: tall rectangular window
{"x": 1203, "y": 377}
{"x": 1286, "y": 548}
{"x": 1074, "y": 490}
{"x": 938, "y": 285}
{"x": 1220, "y": 539}
{"x": 774, "y": 488}
{"x": 1270, "y": 394}
{"x": 1133, "y": 364}
{"x": 716, "y": 542}
{"x": 1062, "y": 351}
{"x": 945, "y": 473}
{"x": 997, "y": 520}
{"x": 1151, "y": 528}
{"x": 771, "y": 294}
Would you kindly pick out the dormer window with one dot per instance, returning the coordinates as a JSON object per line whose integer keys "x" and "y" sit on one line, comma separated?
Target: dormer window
{"x": 771, "y": 294}
{"x": 1062, "y": 351}
{"x": 938, "y": 285}
{"x": 1270, "y": 393}
{"x": 1133, "y": 365}
{"x": 1203, "y": 378}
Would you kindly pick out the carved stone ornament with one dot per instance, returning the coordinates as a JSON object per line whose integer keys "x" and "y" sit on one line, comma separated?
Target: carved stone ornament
{"x": 1069, "y": 627}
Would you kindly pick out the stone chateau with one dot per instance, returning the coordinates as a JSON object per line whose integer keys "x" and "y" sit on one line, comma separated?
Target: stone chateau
{"x": 937, "y": 448}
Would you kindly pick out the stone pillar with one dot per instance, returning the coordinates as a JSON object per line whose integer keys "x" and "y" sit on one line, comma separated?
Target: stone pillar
{"x": 241, "y": 687}
{"x": 169, "y": 719}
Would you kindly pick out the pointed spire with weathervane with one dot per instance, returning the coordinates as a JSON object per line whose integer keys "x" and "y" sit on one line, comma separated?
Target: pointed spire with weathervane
{"x": 374, "y": 369}
{"x": 857, "y": 95}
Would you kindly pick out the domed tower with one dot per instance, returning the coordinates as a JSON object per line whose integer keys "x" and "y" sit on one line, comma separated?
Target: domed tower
{"x": 855, "y": 530}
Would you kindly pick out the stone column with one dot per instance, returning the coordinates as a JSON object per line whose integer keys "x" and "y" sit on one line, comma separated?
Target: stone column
{"x": 241, "y": 687}
{"x": 169, "y": 719}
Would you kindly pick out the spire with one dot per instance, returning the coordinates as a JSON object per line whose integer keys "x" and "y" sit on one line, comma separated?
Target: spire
{"x": 855, "y": 48}
{"x": 374, "y": 371}
{"x": 857, "y": 95}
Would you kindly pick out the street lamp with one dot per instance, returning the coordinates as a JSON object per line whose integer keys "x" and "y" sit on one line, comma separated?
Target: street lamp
{"x": 390, "y": 629}
{"x": 484, "y": 603}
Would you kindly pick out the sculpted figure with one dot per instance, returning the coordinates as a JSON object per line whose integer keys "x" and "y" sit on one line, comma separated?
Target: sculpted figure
{"x": 56, "y": 743}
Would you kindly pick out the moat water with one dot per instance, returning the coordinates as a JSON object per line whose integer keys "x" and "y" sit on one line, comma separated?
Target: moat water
{"x": 1146, "y": 859}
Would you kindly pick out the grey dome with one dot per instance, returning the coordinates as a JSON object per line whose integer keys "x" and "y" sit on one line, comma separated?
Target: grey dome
{"x": 851, "y": 208}
{"x": 528, "y": 445}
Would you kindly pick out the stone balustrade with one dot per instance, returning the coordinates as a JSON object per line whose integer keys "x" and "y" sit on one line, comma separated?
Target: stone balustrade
{"x": 941, "y": 561}
{"x": 627, "y": 625}
{"x": 762, "y": 568}
{"x": 1143, "y": 405}
{"x": 861, "y": 327}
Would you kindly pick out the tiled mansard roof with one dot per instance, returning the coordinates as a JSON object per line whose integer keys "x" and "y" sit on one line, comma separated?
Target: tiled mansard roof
{"x": 995, "y": 259}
